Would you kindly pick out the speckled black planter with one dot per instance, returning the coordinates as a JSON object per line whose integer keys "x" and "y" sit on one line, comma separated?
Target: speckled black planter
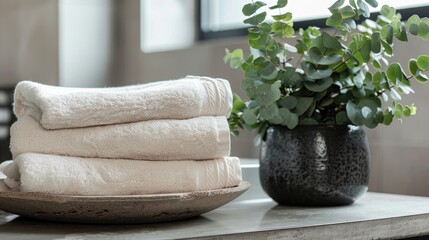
{"x": 315, "y": 165}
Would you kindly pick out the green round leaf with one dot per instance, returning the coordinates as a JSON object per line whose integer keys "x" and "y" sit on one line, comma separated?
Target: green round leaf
{"x": 269, "y": 72}
{"x": 251, "y": 8}
{"x": 303, "y": 105}
{"x": 421, "y": 78}
{"x": 395, "y": 72}
{"x": 319, "y": 85}
{"x": 248, "y": 85}
{"x": 401, "y": 35}
{"x": 354, "y": 114}
{"x": 267, "y": 94}
{"x": 341, "y": 118}
{"x": 423, "y": 62}
{"x": 387, "y": 33}
{"x": 289, "y": 102}
{"x": 256, "y": 19}
{"x": 388, "y": 117}
{"x": 414, "y": 29}
{"x": 414, "y": 19}
{"x": 249, "y": 116}
{"x": 334, "y": 20}
{"x": 412, "y": 65}
{"x": 347, "y": 12}
{"x": 372, "y": 103}
{"x": 280, "y": 4}
{"x": 423, "y": 29}
{"x": 373, "y": 3}
{"x": 379, "y": 116}
{"x": 283, "y": 17}
{"x": 364, "y": 7}
{"x": 269, "y": 112}
{"x": 289, "y": 119}
{"x": 375, "y": 42}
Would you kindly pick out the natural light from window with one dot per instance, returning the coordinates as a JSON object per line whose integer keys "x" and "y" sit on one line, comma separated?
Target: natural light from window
{"x": 166, "y": 24}
{"x": 219, "y": 15}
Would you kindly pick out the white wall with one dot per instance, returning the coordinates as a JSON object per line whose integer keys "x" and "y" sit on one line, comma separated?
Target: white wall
{"x": 28, "y": 41}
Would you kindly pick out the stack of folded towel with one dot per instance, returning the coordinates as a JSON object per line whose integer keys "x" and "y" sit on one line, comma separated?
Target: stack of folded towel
{"x": 162, "y": 137}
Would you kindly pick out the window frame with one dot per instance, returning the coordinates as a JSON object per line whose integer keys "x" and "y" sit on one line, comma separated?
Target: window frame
{"x": 422, "y": 11}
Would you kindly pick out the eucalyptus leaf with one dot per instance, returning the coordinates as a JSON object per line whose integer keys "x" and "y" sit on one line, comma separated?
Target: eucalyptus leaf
{"x": 387, "y": 33}
{"x": 319, "y": 74}
{"x": 364, "y": 7}
{"x": 249, "y": 116}
{"x": 423, "y": 29}
{"x": 387, "y": 47}
{"x": 388, "y": 117}
{"x": 334, "y": 20}
{"x": 347, "y": 12}
{"x": 319, "y": 85}
{"x": 238, "y": 104}
{"x": 414, "y": 19}
{"x": 330, "y": 42}
{"x": 423, "y": 62}
{"x": 375, "y": 42}
{"x": 372, "y": 103}
{"x": 290, "y": 119}
{"x": 269, "y": 112}
{"x": 280, "y": 4}
{"x": 341, "y": 118}
{"x": 267, "y": 94}
{"x": 422, "y": 78}
{"x": 387, "y": 11}
{"x": 283, "y": 17}
{"x": 251, "y": 8}
{"x": 249, "y": 86}
{"x": 289, "y": 102}
{"x": 303, "y": 104}
{"x": 394, "y": 72}
{"x": 354, "y": 114}
{"x": 414, "y": 29}
{"x": 401, "y": 35}
{"x": 373, "y": 3}
{"x": 256, "y": 19}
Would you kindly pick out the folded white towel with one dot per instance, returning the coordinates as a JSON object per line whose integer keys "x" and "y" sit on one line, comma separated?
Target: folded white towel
{"x": 166, "y": 139}
{"x": 55, "y": 174}
{"x": 60, "y": 107}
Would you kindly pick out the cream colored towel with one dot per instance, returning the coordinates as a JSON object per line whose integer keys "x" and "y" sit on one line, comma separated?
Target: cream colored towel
{"x": 168, "y": 139}
{"x": 60, "y": 107}
{"x": 31, "y": 172}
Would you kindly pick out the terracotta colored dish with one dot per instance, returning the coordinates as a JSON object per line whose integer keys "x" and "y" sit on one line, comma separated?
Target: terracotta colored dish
{"x": 117, "y": 209}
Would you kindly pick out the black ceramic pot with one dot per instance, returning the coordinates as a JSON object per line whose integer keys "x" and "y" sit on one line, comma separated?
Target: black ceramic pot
{"x": 315, "y": 165}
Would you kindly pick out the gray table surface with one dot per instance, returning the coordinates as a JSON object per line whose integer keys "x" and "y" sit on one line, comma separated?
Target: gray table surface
{"x": 375, "y": 216}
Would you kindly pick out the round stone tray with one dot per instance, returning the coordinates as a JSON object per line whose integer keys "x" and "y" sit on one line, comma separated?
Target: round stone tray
{"x": 129, "y": 209}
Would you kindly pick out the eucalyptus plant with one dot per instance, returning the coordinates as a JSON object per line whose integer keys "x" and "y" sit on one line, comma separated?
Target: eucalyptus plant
{"x": 340, "y": 75}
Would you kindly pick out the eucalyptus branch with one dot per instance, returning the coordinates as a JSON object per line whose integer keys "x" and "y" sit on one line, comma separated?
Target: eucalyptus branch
{"x": 306, "y": 92}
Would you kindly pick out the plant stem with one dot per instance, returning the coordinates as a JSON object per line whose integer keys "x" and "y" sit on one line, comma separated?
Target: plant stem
{"x": 344, "y": 62}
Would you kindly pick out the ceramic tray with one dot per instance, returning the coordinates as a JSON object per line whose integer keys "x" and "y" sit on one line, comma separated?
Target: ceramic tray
{"x": 117, "y": 209}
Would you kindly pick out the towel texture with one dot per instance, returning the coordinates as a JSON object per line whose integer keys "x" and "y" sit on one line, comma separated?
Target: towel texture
{"x": 60, "y": 107}
{"x": 53, "y": 174}
{"x": 167, "y": 139}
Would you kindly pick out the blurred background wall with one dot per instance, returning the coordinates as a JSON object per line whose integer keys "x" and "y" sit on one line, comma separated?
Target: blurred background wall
{"x": 97, "y": 43}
